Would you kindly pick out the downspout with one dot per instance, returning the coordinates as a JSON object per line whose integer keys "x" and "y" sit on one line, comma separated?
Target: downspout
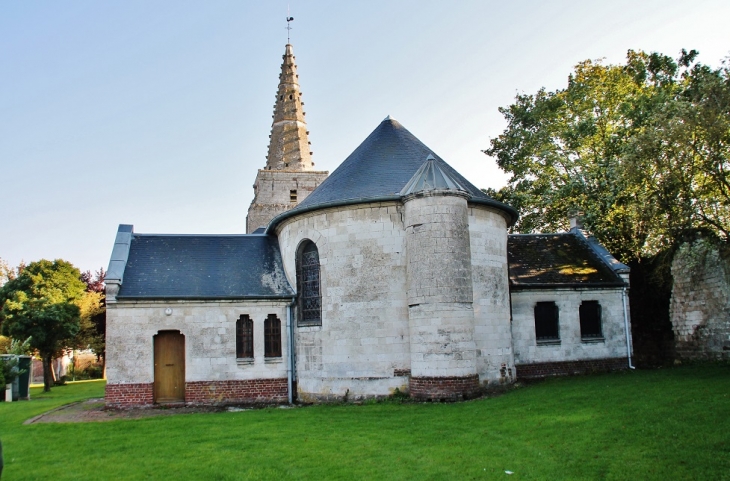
{"x": 626, "y": 328}
{"x": 290, "y": 348}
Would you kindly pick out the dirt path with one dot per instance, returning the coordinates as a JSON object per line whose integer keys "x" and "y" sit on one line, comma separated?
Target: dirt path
{"x": 94, "y": 410}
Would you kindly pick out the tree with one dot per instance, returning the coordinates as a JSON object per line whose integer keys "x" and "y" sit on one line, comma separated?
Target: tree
{"x": 641, "y": 149}
{"x": 92, "y": 333}
{"x": 41, "y": 303}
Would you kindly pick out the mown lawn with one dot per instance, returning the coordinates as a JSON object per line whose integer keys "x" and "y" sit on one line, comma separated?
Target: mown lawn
{"x": 663, "y": 424}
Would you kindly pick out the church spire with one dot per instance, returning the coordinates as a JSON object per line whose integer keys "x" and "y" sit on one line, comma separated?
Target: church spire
{"x": 289, "y": 140}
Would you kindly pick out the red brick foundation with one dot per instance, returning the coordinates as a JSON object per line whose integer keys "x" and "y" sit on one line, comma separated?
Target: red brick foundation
{"x": 566, "y": 368}
{"x": 237, "y": 392}
{"x": 203, "y": 392}
{"x": 444, "y": 388}
{"x": 128, "y": 394}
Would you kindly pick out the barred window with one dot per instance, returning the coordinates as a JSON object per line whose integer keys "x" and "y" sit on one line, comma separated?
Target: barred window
{"x": 546, "y": 322}
{"x": 590, "y": 320}
{"x": 308, "y": 286}
{"x": 272, "y": 336}
{"x": 244, "y": 337}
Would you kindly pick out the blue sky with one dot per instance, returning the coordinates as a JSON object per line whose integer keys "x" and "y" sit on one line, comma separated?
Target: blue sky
{"x": 157, "y": 113}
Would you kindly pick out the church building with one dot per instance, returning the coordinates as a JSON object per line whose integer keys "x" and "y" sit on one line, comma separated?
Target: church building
{"x": 392, "y": 273}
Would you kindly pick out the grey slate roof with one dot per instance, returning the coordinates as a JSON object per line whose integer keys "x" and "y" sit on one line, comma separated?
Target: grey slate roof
{"x": 378, "y": 170}
{"x": 560, "y": 260}
{"x": 430, "y": 177}
{"x": 203, "y": 267}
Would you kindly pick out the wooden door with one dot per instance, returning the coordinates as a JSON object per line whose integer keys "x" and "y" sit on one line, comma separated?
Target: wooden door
{"x": 169, "y": 367}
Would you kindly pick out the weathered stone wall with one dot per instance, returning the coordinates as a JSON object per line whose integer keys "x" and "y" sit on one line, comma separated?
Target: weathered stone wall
{"x": 272, "y": 191}
{"x": 570, "y": 347}
{"x": 362, "y": 347}
{"x": 439, "y": 282}
{"x": 210, "y": 342}
{"x": 700, "y": 303}
{"x": 492, "y": 329}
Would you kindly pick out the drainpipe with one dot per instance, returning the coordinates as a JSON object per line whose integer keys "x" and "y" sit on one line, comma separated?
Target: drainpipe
{"x": 290, "y": 348}
{"x": 626, "y": 328}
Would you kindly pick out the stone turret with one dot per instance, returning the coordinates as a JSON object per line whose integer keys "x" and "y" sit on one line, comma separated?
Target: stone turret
{"x": 288, "y": 177}
{"x": 439, "y": 282}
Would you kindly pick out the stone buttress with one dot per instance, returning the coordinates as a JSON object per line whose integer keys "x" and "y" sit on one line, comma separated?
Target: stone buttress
{"x": 289, "y": 176}
{"x": 439, "y": 283}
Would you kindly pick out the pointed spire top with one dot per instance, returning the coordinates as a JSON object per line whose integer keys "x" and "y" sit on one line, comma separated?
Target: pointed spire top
{"x": 289, "y": 139}
{"x": 388, "y": 118}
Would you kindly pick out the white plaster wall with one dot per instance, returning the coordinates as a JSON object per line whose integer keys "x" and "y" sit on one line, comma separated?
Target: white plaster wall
{"x": 364, "y": 334}
{"x": 492, "y": 329}
{"x": 210, "y": 339}
{"x": 571, "y": 347}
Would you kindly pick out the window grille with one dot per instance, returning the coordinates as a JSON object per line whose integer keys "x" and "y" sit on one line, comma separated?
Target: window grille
{"x": 272, "y": 336}
{"x": 292, "y": 196}
{"x": 590, "y": 320}
{"x": 244, "y": 337}
{"x": 546, "y": 321}
{"x": 308, "y": 285}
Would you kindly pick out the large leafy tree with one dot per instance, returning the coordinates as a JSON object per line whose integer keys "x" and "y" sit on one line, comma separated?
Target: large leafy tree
{"x": 41, "y": 303}
{"x": 642, "y": 149}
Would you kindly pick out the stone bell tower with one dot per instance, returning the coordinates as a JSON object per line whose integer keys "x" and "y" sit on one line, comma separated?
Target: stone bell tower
{"x": 289, "y": 175}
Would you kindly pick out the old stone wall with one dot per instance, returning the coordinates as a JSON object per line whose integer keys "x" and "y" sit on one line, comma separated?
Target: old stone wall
{"x": 210, "y": 340}
{"x": 492, "y": 329}
{"x": 570, "y": 346}
{"x": 273, "y": 194}
{"x": 700, "y": 303}
{"x": 439, "y": 282}
{"x": 362, "y": 347}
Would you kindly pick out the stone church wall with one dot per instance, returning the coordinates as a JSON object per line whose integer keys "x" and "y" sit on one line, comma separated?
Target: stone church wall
{"x": 570, "y": 347}
{"x": 272, "y": 194}
{"x": 439, "y": 285}
{"x": 212, "y": 372}
{"x": 492, "y": 330}
{"x": 700, "y": 303}
{"x": 362, "y": 347}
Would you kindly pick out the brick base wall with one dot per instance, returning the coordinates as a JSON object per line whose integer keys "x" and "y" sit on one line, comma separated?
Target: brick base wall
{"x": 129, "y": 394}
{"x": 234, "y": 392}
{"x": 203, "y": 392}
{"x": 566, "y": 368}
{"x": 444, "y": 388}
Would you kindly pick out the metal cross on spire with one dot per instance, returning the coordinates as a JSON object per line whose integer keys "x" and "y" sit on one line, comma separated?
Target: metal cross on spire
{"x": 288, "y": 25}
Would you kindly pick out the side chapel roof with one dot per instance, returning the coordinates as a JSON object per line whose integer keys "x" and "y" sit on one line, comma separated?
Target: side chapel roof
{"x": 379, "y": 169}
{"x": 561, "y": 260}
{"x": 157, "y": 266}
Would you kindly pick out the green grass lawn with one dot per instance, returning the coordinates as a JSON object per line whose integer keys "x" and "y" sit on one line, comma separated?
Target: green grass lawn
{"x": 664, "y": 424}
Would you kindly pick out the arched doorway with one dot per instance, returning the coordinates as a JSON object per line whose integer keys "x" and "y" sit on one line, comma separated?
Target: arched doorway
{"x": 169, "y": 367}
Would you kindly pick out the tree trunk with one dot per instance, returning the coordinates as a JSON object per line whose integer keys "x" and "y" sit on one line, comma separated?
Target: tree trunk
{"x": 47, "y": 372}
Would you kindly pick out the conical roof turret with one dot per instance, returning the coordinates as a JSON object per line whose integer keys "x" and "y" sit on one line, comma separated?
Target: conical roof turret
{"x": 289, "y": 140}
{"x": 430, "y": 176}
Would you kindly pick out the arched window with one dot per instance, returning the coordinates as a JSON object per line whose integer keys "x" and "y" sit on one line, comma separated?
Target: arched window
{"x": 272, "y": 336}
{"x": 309, "y": 298}
{"x": 244, "y": 337}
